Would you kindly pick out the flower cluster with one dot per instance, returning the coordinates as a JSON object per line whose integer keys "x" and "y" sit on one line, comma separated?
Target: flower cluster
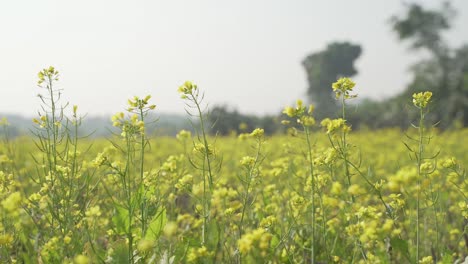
{"x": 41, "y": 122}
{"x": 129, "y": 126}
{"x": 343, "y": 87}
{"x": 258, "y": 238}
{"x": 47, "y": 74}
{"x": 420, "y": 100}
{"x": 334, "y": 125}
{"x": 188, "y": 88}
{"x": 138, "y": 104}
{"x": 184, "y": 135}
{"x": 301, "y": 112}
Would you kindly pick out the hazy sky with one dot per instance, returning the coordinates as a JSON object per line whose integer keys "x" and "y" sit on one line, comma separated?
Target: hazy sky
{"x": 246, "y": 53}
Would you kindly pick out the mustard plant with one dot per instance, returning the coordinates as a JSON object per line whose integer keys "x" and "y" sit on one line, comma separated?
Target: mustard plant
{"x": 204, "y": 151}
{"x": 337, "y": 131}
{"x": 248, "y": 179}
{"x": 135, "y": 217}
{"x": 342, "y": 88}
{"x": 305, "y": 119}
{"x": 423, "y": 163}
{"x": 65, "y": 187}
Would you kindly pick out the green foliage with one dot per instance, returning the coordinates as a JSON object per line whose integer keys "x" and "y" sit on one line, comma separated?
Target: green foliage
{"x": 121, "y": 220}
{"x": 444, "y": 72}
{"x": 423, "y": 27}
{"x": 156, "y": 225}
{"x": 401, "y": 246}
{"x": 225, "y": 121}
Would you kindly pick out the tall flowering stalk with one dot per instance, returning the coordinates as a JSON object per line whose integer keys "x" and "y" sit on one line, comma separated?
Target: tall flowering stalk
{"x": 337, "y": 131}
{"x": 50, "y": 121}
{"x": 420, "y": 100}
{"x": 304, "y": 118}
{"x": 190, "y": 92}
{"x": 342, "y": 89}
{"x": 64, "y": 185}
{"x": 141, "y": 108}
{"x": 248, "y": 179}
{"x": 132, "y": 200}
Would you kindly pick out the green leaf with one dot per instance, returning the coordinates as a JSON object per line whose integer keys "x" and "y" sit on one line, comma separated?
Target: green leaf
{"x": 156, "y": 225}
{"x": 137, "y": 197}
{"x": 212, "y": 234}
{"x": 401, "y": 246}
{"x": 121, "y": 219}
{"x": 274, "y": 242}
{"x": 446, "y": 259}
{"x": 120, "y": 252}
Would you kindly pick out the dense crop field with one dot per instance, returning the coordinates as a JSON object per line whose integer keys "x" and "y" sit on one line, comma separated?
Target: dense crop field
{"x": 321, "y": 194}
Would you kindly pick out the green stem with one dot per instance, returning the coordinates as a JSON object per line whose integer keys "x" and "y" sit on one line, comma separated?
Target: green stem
{"x": 206, "y": 200}
{"x": 311, "y": 169}
{"x": 142, "y": 194}
{"x": 247, "y": 192}
{"x": 128, "y": 188}
{"x": 54, "y": 127}
{"x": 419, "y": 161}
{"x": 344, "y": 146}
{"x": 205, "y": 142}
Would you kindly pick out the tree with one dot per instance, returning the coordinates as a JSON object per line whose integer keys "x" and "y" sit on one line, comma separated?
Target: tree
{"x": 424, "y": 27}
{"x": 445, "y": 72}
{"x": 323, "y": 68}
{"x": 225, "y": 120}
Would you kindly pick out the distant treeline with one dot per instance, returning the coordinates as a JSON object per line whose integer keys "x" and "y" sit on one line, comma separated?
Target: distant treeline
{"x": 161, "y": 125}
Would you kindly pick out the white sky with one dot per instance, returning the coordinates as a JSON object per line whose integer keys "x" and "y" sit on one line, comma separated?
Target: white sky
{"x": 246, "y": 53}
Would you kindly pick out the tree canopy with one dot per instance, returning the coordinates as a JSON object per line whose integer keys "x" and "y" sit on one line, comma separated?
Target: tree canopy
{"x": 323, "y": 68}
{"x": 445, "y": 72}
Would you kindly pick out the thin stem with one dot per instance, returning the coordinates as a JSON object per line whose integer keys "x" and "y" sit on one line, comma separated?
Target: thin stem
{"x": 344, "y": 146}
{"x": 418, "y": 193}
{"x": 206, "y": 159}
{"x": 128, "y": 188}
{"x": 205, "y": 142}
{"x": 142, "y": 160}
{"x": 54, "y": 127}
{"x": 247, "y": 192}
{"x": 311, "y": 169}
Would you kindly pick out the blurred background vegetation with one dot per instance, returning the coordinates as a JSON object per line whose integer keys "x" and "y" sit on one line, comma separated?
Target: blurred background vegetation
{"x": 444, "y": 71}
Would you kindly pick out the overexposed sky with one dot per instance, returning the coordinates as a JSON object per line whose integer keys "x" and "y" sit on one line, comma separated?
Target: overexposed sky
{"x": 245, "y": 53}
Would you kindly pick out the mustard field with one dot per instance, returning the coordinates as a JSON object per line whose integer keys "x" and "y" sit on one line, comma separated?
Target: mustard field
{"x": 323, "y": 193}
